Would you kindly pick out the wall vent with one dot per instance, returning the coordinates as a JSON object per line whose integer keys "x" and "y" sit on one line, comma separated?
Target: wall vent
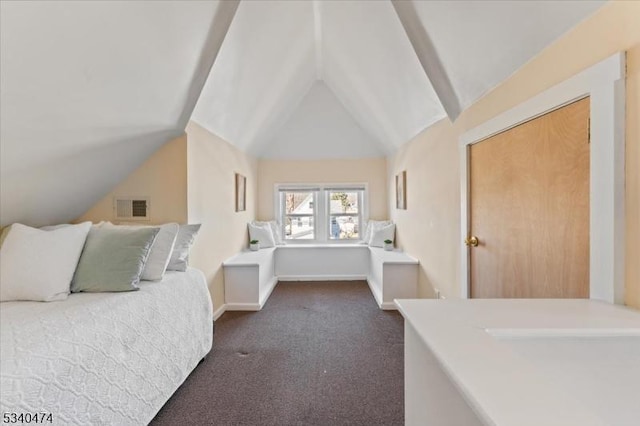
{"x": 131, "y": 208}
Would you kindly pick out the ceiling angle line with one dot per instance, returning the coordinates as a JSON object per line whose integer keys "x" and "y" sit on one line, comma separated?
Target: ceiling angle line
{"x": 222, "y": 19}
{"x": 428, "y": 56}
{"x": 317, "y": 26}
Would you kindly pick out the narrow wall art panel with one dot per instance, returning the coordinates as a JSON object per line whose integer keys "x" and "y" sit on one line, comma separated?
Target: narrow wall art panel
{"x": 401, "y": 190}
{"x": 241, "y": 193}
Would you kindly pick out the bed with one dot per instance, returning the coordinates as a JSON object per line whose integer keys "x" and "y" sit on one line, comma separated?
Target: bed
{"x": 104, "y": 358}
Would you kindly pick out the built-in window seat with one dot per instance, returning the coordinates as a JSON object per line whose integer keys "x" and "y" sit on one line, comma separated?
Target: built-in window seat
{"x": 250, "y": 276}
{"x": 249, "y": 279}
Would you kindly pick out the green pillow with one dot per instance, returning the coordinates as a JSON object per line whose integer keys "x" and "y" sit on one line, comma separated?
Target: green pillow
{"x": 113, "y": 259}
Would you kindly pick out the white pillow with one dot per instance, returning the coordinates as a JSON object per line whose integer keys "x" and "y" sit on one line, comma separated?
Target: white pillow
{"x": 180, "y": 256}
{"x": 64, "y": 225}
{"x": 275, "y": 228}
{"x": 384, "y": 233}
{"x": 161, "y": 250}
{"x": 262, "y": 233}
{"x": 372, "y": 227}
{"x": 39, "y": 265}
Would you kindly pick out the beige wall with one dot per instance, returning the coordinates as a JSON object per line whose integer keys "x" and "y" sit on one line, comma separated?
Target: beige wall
{"x": 431, "y": 159}
{"x": 429, "y": 228}
{"x": 191, "y": 180}
{"x": 163, "y": 178}
{"x": 212, "y": 164}
{"x": 371, "y": 171}
{"x": 632, "y": 181}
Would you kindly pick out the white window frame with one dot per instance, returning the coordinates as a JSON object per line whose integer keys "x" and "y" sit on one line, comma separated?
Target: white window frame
{"x": 321, "y": 210}
{"x": 327, "y": 219}
{"x": 281, "y": 205}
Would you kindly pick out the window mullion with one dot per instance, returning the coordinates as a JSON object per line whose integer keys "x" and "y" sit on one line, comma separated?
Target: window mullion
{"x": 320, "y": 216}
{"x": 361, "y": 209}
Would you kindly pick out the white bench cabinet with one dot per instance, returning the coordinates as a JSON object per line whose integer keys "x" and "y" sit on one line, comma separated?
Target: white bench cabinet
{"x": 250, "y": 276}
{"x": 392, "y": 275}
{"x": 249, "y": 279}
{"x": 315, "y": 262}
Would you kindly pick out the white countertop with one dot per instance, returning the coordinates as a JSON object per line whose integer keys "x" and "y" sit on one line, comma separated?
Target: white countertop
{"x": 393, "y": 256}
{"x": 322, "y": 246}
{"x": 249, "y": 257}
{"x": 536, "y": 362}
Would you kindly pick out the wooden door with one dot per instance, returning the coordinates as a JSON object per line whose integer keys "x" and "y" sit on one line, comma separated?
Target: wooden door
{"x": 529, "y": 208}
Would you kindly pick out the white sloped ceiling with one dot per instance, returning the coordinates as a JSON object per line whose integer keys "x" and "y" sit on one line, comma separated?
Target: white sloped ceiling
{"x": 481, "y": 43}
{"x": 321, "y": 128}
{"x": 371, "y": 66}
{"x": 396, "y": 66}
{"x": 90, "y": 89}
{"x": 275, "y": 51}
{"x": 264, "y": 68}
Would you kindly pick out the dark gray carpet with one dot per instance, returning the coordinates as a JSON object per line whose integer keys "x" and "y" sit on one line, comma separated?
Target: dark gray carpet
{"x": 318, "y": 353}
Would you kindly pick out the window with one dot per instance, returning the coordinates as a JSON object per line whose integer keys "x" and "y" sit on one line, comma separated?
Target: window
{"x": 319, "y": 213}
{"x": 344, "y": 214}
{"x": 299, "y": 215}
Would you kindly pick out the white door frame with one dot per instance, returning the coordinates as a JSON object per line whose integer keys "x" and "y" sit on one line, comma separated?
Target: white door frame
{"x": 604, "y": 82}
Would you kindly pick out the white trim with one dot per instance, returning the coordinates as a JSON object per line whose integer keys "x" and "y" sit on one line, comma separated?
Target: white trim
{"x": 317, "y": 26}
{"x": 604, "y": 83}
{"x": 377, "y": 296}
{"x": 322, "y": 246}
{"x": 388, "y": 306}
{"x": 246, "y": 306}
{"x": 321, "y": 210}
{"x": 270, "y": 287}
{"x": 218, "y": 312}
{"x": 243, "y": 307}
{"x": 322, "y": 277}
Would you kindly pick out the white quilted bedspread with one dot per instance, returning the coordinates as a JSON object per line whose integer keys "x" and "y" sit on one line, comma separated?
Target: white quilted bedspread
{"x": 104, "y": 358}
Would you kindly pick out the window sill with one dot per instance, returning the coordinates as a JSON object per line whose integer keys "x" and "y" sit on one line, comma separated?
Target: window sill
{"x": 322, "y": 245}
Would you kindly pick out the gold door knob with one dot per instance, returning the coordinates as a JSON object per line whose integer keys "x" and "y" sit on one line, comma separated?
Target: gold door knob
{"x": 472, "y": 241}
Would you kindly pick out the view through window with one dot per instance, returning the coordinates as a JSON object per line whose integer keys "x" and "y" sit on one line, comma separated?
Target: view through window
{"x": 344, "y": 215}
{"x": 321, "y": 213}
{"x": 299, "y": 215}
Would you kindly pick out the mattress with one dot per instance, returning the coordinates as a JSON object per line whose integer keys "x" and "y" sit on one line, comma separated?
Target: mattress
{"x": 104, "y": 358}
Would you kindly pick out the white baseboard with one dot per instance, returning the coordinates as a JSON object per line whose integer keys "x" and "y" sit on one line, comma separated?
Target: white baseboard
{"x": 218, "y": 312}
{"x": 322, "y": 277}
{"x": 242, "y": 307}
{"x": 388, "y": 306}
{"x": 374, "y": 291}
{"x": 385, "y": 306}
{"x": 270, "y": 287}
